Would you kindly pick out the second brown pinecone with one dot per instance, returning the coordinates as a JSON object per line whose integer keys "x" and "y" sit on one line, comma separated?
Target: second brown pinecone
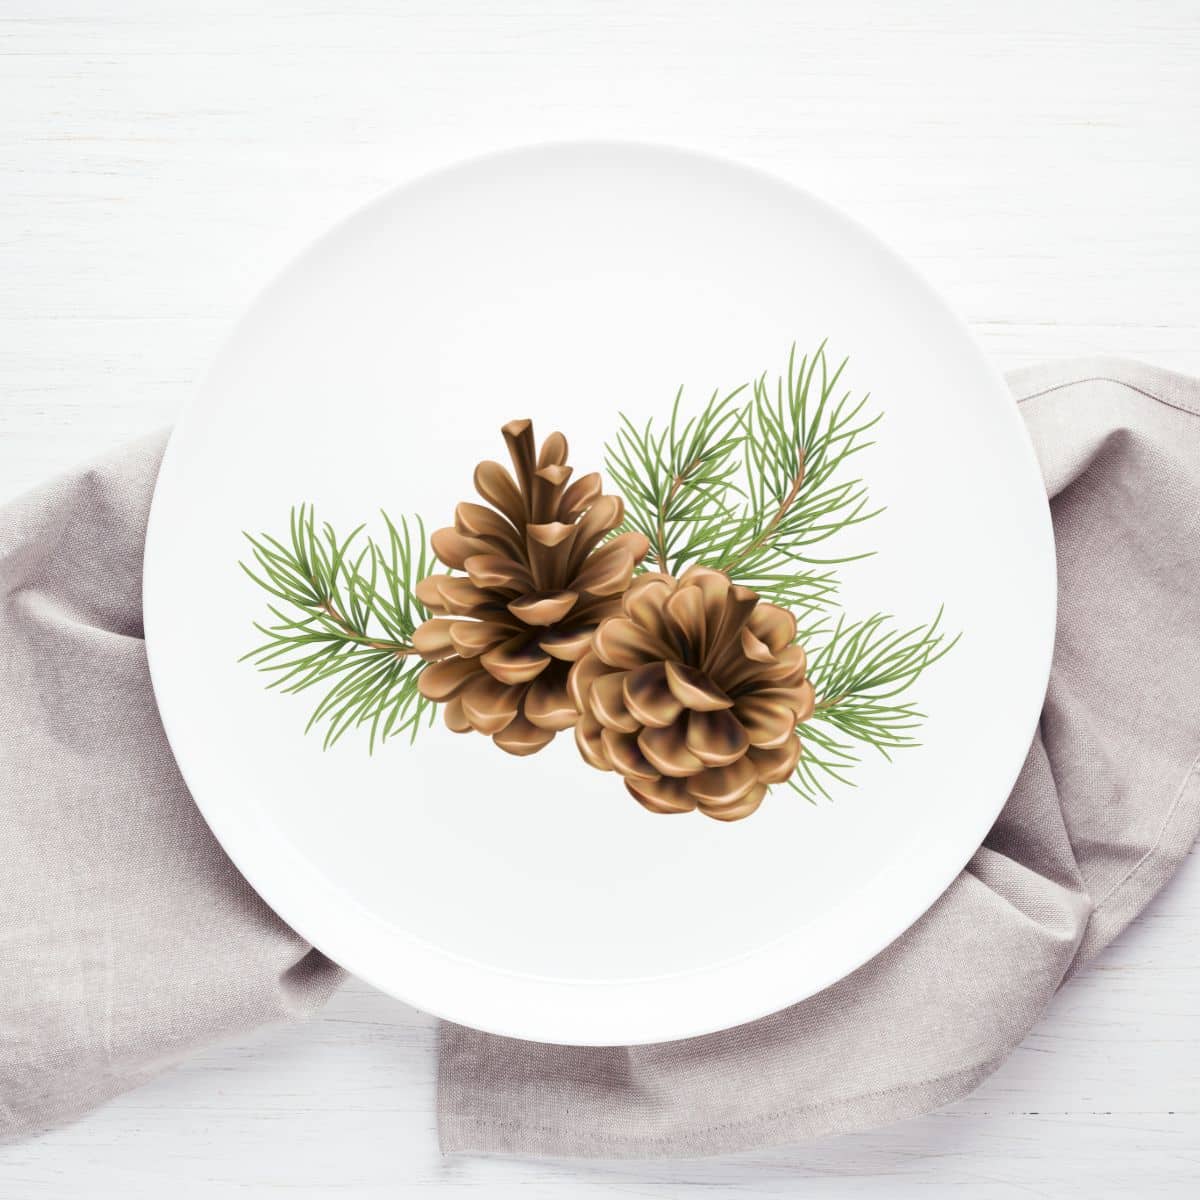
{"x": 693, "y": 694}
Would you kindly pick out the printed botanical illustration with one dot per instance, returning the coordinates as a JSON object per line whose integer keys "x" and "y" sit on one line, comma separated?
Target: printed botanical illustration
{"x": 685, "y": 626}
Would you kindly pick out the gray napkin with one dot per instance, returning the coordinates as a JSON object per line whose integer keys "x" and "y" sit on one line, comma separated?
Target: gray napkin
{"x": 127, "y": 938}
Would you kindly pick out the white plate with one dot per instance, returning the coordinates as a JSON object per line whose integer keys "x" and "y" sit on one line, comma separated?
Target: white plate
{"x": 531, "y": 897}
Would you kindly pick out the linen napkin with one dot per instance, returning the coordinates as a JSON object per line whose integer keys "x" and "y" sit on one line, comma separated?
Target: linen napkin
{"x": 127, "y": 938}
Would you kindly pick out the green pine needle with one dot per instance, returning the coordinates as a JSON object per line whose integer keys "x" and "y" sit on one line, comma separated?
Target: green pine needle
{"x": 796, "y": 448}
{"x": 679, "y": 482}
{"x": 860, "y": 674}
{"x": 752, "y": 482}
{"x": 343, "y": 620}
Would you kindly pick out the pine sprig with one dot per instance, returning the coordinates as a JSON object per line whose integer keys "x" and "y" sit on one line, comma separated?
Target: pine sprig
{"x": 751, "y": 483}
{"x": 797, "y": 443}
{"x": 859, "y": 674}
{"x": 678, "y": 482}
{"x": 344, "y": 614}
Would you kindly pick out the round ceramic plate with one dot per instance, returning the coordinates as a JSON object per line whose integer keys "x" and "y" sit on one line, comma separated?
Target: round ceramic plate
{"x": 532, "y": 896}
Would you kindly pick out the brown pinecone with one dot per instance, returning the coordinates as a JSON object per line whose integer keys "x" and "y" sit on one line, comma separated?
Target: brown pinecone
{"x": 693, "y": 694}
{"x": 537, "y": 585}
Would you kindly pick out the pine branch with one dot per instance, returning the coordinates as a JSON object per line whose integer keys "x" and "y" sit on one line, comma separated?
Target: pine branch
{"x": 796, "y": 446}
{"x": 344, "y": 616}
{"x": 678, "y": 482}
{"x": 859, "y": 675}
{"x": 751, "y": 487}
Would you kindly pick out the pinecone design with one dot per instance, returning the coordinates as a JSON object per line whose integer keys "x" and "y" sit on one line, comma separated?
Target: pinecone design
{"x": 539, "y": 579}
{"x": 693, "y": 694}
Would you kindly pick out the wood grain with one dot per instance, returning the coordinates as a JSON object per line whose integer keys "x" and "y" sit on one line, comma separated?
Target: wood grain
{"x": 1038, "y": 161}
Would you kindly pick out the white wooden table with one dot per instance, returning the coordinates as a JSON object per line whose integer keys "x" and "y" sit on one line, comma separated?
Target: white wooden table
{"x": 1039, "y": 161}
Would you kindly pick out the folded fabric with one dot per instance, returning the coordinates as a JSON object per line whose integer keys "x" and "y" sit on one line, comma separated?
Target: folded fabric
{"x": 127, "y": 938}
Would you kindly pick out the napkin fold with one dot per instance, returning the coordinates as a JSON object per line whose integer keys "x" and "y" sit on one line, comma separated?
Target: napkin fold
{"x": 127, "y": 938}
